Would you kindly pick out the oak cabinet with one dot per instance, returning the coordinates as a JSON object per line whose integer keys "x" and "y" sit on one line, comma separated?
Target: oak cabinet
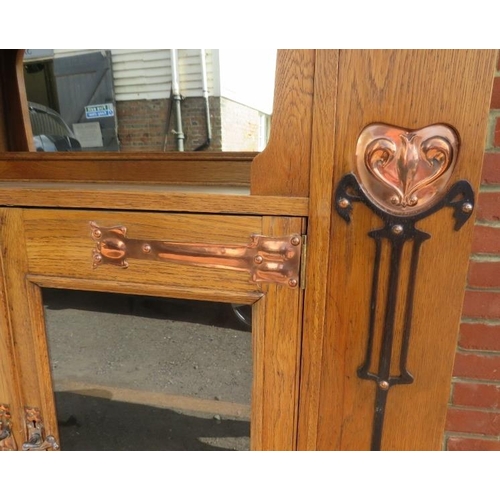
{"x": 270, "y": 231}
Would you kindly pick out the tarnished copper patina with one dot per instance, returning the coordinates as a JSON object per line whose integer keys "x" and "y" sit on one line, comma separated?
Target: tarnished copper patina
{"x": 36, "y": 433}
{"x": 7, "y": 442}
{"x": 266, "y": 259}
{"x": 405, "y": 171}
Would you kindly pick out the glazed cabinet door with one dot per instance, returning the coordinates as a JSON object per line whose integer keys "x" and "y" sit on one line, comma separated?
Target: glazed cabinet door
{"x": 251, "y": 261}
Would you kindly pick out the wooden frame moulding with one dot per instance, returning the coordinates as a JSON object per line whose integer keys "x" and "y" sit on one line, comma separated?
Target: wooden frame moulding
{"x": 410, "y": 89}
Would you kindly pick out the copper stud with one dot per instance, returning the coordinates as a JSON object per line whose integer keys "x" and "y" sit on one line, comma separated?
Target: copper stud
{"x": 397, "y": 229}
{"x": 97, "y": 233}
{"x": 467, "y": 208}
{"x": 146, "y": 248}
{"x": 258, "y": 259}
{"x": 413, "y": 200}
{"x": 343, "y": 203}
{"x": 384, "y": 385}
{"x": 293, "y": 283}
{"x": 295, "y": 241}
{"x": 98, "y": 257}
{"x": 395, "y": 200}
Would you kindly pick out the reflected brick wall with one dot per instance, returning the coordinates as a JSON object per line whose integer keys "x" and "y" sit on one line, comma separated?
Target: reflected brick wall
{"x": 148, "y": 125}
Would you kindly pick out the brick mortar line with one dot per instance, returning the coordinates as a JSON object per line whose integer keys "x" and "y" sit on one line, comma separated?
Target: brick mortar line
{"x": 489, "y": 188}
{"x": 469, "y": 288}
{"x": 484, "y": 437}
{"x": 485, "y": 289}
{"x": 467, "y": 380}
{"x": 480, "y": 409}
{"x": 487, "y": 223}
{"x": 484, "y": 257}
{"x": 490, "y": 135}
{"x": 479, "y": 321}
{"x": 493, "y": 289}
{"x": 465, "y": 350}
{"x": 481, "y": 381}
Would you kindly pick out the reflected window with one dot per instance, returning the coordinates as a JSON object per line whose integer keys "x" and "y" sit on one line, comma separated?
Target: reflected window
{"x": 156, "y": 100}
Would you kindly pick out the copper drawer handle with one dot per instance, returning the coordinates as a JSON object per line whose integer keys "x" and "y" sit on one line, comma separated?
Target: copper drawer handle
{"x": 266, "y": 259}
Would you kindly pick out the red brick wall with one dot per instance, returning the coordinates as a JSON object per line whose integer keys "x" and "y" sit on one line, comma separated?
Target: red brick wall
{"x": 144, "y": 124}
{"x": 473, "y": 421}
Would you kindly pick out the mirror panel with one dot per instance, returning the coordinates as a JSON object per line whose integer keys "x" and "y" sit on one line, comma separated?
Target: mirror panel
{"x": 145, "y": 373}
{"x": 150, "y": 100}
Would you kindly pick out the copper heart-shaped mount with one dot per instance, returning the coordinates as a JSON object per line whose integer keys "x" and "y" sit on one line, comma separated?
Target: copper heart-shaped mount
{"x": 404, "y": 171}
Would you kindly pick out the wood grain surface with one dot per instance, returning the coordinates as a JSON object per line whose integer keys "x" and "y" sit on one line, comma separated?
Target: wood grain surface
{"x": 10, "y": 388}
{"x": 159, "y": 198}
{"x": 276, "y": 352}
{"x": 410, "y": 89}
{"x": 283, "y": 167}
{"x": 318, "y": 235}
{"x": 59, "y": 243}
{"x": 313, "y": 340}
{"x": 27, "y": 328}
{"x": 205, "y": 169}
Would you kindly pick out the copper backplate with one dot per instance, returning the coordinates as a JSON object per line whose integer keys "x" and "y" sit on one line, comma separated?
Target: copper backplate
{"x": 405, "y": 171}
{"x": 266, "y": 259}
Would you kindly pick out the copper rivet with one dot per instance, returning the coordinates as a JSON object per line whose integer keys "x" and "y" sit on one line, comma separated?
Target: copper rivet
{"x": 343, "y": 203}
{"x": 293, "y": 283}
{"x": 97, "y": 233}
{"x": 413, "y": 201}
{"x": 295, "y": 241}
{"x": 394, "y": 200}
{"x": 467, "y": 208}
{"x": 98, "y": 257}
{"x": 397, "y": 229}
{"x": 146, "y": 248}
{"x": 384, "y": 385}
{"x": 258, "y": 259}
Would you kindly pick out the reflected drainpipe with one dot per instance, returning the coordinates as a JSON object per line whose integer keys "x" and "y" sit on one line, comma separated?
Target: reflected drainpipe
{"x": 206, "y": 144}
{"x": 177, "y": 101}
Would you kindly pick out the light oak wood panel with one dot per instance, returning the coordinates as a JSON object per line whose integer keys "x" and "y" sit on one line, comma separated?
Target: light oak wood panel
{"x": 206, "y": 169}
{"x": 408, "y": 89}
{"x": 43, "y": 369}
{"x": 318, "y": 235}
{"x": 215, "y": 200}
{"x": 10, "y": 390}
{"x": 258, "y": 359}
{"x": 58, "y": 243}
{"x": 27, "y": 328}
{"x": 283, "y": 167}
{"x": 152, "y": 290}
{"x": 277, "y": 344}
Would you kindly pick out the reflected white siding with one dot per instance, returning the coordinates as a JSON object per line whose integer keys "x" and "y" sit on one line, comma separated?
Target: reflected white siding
{"x": 244, "y": 76}
{"x": 147, "y": 73}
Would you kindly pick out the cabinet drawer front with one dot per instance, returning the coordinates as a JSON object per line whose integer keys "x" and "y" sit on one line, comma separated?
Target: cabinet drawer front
{"x": 60, "y": 245}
